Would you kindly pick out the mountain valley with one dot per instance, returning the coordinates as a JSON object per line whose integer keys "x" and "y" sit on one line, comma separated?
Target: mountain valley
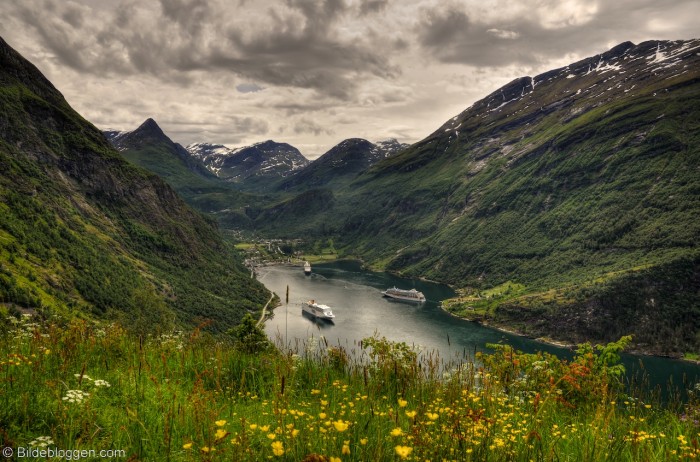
{"x": 563, "y": 205}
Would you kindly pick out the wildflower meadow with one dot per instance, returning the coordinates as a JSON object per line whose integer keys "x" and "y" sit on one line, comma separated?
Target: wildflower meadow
{"x": 191, "y": 396}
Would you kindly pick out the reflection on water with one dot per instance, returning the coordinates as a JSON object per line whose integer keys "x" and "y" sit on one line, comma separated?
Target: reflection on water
{"x": 361, "y": 311}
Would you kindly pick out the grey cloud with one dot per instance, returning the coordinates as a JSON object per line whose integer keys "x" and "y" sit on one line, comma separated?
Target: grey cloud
{"x": 248, "y": 88}
{"x": 504, "y": 34}
{"x": 441, "y": 27}
{"x": 248, "y": 125}
{"x": 308, "y": 126}
{"x": 232, "y": 130}
{"x": 65, "y": 41}
{"x": 74, "y": 15}
{"x": 372, "y": 6}
{"x": 450, "y": 35}
{"x": 295, "y": 46}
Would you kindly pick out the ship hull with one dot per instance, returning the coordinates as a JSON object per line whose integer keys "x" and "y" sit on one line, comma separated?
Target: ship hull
{"x": 318, "y": 313}
{"x": 409, "y": 296}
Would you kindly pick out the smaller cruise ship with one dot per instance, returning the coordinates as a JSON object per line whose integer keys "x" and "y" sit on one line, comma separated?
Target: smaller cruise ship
{"x": 307, "y": 268}
{"x": 407, "y": 295}
{"x": 318, "y": 310}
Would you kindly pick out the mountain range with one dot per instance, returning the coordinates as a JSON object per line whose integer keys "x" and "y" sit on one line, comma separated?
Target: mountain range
{"x": 236, "y": 185}
{"x": 264, "y": 161}
{"x": 84, "y": 233}
{"x": 341, "y": 164}
{"x": 563, "y": 205}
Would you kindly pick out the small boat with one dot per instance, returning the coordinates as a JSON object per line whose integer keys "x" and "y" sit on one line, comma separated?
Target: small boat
{"x": 317, "y": 310}
{"x": 307, "y": 268}
{"x": 407, "y": 295}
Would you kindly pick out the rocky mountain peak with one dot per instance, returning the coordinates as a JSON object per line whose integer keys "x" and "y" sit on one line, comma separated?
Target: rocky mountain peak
{"x": 264, "y": 159}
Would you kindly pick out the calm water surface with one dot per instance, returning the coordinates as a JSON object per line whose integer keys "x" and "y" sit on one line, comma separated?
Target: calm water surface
{"x": 360, "y": 310}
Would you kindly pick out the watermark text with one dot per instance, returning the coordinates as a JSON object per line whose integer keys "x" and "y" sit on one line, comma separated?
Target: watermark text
{"x": 63, "y": 454}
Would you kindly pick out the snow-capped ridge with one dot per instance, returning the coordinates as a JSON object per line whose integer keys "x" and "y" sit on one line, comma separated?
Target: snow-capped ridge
{"x": 264, "y": 158}
{"x": 611, "y": 74}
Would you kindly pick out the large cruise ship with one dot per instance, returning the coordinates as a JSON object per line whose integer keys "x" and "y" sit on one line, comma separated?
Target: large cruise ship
{"x": 401, "y": 294}
{"x": 318, "y": 310}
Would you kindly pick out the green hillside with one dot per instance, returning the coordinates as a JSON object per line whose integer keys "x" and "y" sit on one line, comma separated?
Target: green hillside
{"x": 84, "y": 233}
{"x": 574, "y": 180}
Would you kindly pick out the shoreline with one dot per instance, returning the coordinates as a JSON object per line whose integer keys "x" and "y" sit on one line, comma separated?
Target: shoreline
{"x": 563, "y": 344}
{"x": 505, "y": 330}
{"x": 484, "y": 322}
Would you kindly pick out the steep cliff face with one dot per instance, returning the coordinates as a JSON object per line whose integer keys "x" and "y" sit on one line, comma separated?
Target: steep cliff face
{"x": 83, "y": 232}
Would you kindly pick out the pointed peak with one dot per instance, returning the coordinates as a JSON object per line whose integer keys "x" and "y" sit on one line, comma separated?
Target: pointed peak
{"x": 151, "y": 130}
{"x": 149, "y": 124}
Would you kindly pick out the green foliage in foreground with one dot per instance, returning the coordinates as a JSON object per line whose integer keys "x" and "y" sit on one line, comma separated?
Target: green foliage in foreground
{"x": 194, "y": 397}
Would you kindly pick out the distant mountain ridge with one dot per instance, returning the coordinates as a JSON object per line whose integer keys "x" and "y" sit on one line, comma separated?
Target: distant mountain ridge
{"x": 149, "y": 135}
{"x": 267, "y": 159}
{"x": 342, "y": 163}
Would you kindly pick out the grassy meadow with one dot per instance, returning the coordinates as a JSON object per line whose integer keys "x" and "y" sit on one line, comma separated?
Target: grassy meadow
{"x": 191, "y": 396}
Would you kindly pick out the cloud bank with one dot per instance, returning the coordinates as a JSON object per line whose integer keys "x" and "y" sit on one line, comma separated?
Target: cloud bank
{"x": 301, "y": 69}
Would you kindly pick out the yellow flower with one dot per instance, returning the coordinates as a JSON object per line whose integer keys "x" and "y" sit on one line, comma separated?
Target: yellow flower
{"x": 186, "y": 445}
{"x": 335, "y": 459}
{"x": 402, "y": 402}
{"x": 295, "y": 432}
{"x": 396, "y": 432}
{"x": 346, "y": 447}
{"x": 322, "y": 415}
{"x": 277, "y": 448}
{"x": 403, "y": 451}
{"x": 220, "y": 423}
{"x": 253, "y": 426}
{"x": 272, "y": 436}
{"x": 315, "y": 392}
{"x": 47, "y": 352}
{"x": 324, "y": 402}
{"x": 411, "y": 414}
{"x": 363, "y": 441}
{"x": 432, "y": 415}
{"x": 208, "y": 449}
{"x": 264, "y": 428}
{"x": 220, "y": 433}
{"x": 340, "y": 425}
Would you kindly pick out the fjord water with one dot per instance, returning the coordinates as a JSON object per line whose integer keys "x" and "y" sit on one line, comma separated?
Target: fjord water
{"x": 360, "y": 310}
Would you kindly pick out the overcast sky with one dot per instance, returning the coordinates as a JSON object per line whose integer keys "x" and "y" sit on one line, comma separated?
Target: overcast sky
{"x": 312, "y": 72}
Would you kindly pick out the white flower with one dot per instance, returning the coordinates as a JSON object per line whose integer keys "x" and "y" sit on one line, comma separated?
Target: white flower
{"x": 41, "y": 442}
{"x": 75, "y": 396}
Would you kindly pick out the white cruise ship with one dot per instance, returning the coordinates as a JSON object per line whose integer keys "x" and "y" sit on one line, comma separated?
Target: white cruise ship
{"x": 407, "y": 295}
{"x": 318, "y": 310}
{"x": 307, "y": 268}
